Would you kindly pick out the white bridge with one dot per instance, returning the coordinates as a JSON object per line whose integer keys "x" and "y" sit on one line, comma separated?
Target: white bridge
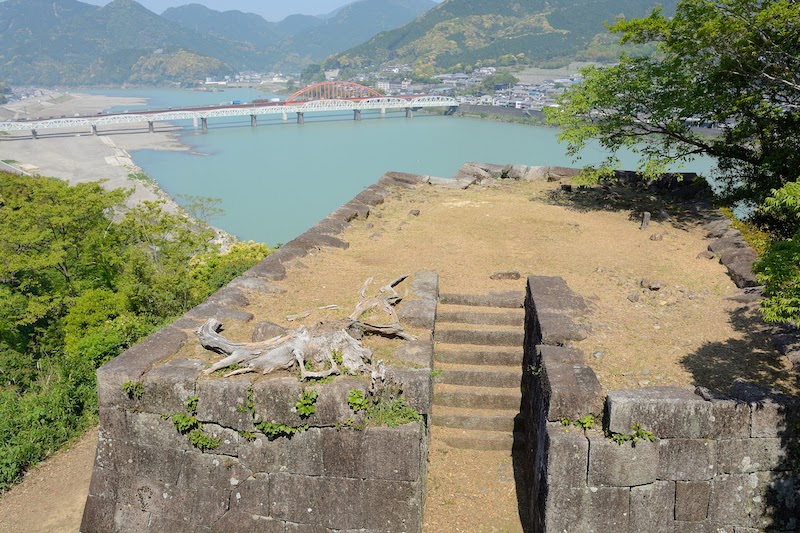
{"x": 202, "y": 114}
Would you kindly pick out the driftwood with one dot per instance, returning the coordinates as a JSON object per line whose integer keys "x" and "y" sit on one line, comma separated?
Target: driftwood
{"x": 322, "y": 345}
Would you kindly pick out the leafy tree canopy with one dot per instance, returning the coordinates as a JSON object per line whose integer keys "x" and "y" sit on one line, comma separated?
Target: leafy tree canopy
{"x": 733, "y": 63}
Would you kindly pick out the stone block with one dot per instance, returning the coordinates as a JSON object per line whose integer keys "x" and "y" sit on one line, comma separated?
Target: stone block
{"x": 342, "y": 453}
{"x": 416, "y": 385}
{"x": 781, "y": 494}
{"x": 572, "y": 391}
{"x": 104, "y": 483}
{"x": 246, "y": 523}
{"x": 115, "y": 454}
{"x": 337, "y": 503}
{"x": 168, "y": 386}
{"x": 419, "y": 352}
{"x": 669, "y": 412}
{"x": 287, "y": 253}
{"x": 391, "y": 505}
{"x": 559, "y": 329}
{"x": 551, "y": 294}
{"x": 211, "y": 470}
{"x": 133, "y": 363}
{"x": 686, "y": 459}
{"x": 743, "y": 456}
{"x": 426, "y": 285}
{"x": 729, "y": 243}
{"x": 229, "y": 297}
{"x": 311, "y": 240}
{"x": 208, "y": 309}
{"x": 772, "y": 419}
{"x": 567, "y": 452}
{"x": 113, "y": 423}
{"x": 417, "y": 313}
{"x": 737, "y": 255}
{"x": 395, "y": 454}
{"x": 161, "y": 522}
{"x": 741, "y": 273}
{"x": 274, "y": 400}
{"x": 559, "y": 354}
{"x": 210, "y": 504}
{"x": 147, "y": 429}
{"x": 404, "y": 177}
{"x": 614, "y": 465}
{"x": 559, "y": 510}
{"x": 736, "y": 499}
{"x": 731, "y": 419}
{"x": 269, "y": 268}
{"x": 332, "y": 406}
{"x": 302, "y": 454}
{"x": 371, "y": 196}
{"x": 129, "y": 518}
{"x": 98, "y": 515}
{"x": 691, "y": 500}
{"x": 653, "y": 507}
{"x": 251, "y": 496}
{"x": 224, "y": 402}
{"x": 308, "y": 528}
{"x": 157, "y": 464}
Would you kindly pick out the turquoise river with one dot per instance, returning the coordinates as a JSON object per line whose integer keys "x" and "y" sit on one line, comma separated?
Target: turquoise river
{"x": 279, "y": 179}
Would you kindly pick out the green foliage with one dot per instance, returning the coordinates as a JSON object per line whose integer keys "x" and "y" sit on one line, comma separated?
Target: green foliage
{"x": 586, "y": 422}
{"x": 274, "y": 431}
{"x": 636, "y": 434}
{"x": 202, "y": 441}
{"x": 185, "y": 423}
{"x": 730, "y": 62}
{"x": 306, "y": 404}
{"x": 779, "y": 270}
{"x": 134, "y": 389}
{"x": 191, "y": 405}
{"x": 76, "y": 289}
{"x": 386, "y": 411}
{"x": 752, "y": 233}
{"x": 356, "y": 400}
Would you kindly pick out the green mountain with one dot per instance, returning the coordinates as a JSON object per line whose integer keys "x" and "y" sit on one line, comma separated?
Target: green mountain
{"x": 51, "y": 42}
{"x": 230, "y": 25}
{"x": 470, "y": 32}
{"x": 302, "y": 39}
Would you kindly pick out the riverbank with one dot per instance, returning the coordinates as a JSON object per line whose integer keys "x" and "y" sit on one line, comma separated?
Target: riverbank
{"x": 75, "y": 155}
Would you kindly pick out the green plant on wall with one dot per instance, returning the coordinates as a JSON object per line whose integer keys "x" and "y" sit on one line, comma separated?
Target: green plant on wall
{"x": 134, "y": 389}
{"x": 306, "y": 405}
{"x": 187, "y": 424}
{"x": 636, "y": 434}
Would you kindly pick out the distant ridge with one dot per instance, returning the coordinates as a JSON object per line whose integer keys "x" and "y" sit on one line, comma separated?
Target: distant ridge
{"x": 470, "y": 31}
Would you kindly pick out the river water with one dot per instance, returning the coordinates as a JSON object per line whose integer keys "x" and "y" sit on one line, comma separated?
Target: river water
{"x": 277, "y": 180}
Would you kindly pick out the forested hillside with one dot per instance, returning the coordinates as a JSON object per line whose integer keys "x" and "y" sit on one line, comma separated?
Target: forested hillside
{"x": 76, "y": 289}
{"x": 505, "y": 32}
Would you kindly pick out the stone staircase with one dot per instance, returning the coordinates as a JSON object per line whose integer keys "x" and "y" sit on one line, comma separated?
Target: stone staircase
{"x": 476, "y": 397}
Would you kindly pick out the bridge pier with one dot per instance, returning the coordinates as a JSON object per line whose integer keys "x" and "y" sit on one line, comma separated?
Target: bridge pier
{"x": 253, "y": 121}
{"x": 151, "y": 127}
{"x": 94, "y": 129}
{"x": 204, "y": 124}
{"x": 409, "y": 113}
{"x": 383, "y": 111}
{"x": 195, "y": 124}
{"x": 34, "y": 134}
{"x": 356, "y": 114}
{"x": 300, "y": 118}
{"x": 284, "y": 116}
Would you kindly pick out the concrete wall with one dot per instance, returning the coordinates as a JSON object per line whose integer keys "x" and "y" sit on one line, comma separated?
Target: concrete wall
{"x": 466, "y": 109}
{"x": 722, "y": 465}
{"x": 149, "y": 477}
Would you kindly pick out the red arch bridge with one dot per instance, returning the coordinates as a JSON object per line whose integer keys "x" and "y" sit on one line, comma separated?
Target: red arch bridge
{"x": 326, "y": 96}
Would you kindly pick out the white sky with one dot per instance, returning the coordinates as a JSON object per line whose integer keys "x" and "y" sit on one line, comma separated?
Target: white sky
{"x": 273, "y": 10}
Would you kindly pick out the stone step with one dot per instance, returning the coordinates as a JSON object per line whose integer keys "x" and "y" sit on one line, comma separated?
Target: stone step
{"x": 470, "y": 355}
{"x": 485, "y": 337}
{"x": 479, "y": 440}
{"x": 477, "y": 419}
{"x": 510, "y": 299}
{"x": 458, "y": 315}
{"x": 476, "y": 397}
{"x": 480, "y": 376}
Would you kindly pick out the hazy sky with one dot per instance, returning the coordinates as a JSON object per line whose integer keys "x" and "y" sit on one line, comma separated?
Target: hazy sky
{"x": 273, "y": 10}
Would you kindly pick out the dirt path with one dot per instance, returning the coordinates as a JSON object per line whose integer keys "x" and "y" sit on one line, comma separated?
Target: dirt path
{"x": 50, "y": 499}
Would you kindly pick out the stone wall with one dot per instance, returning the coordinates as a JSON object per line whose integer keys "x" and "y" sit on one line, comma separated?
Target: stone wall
{"x": 148, "y": 476}
{"x": 715, "y": 464}
{"x": 466, "y": 109}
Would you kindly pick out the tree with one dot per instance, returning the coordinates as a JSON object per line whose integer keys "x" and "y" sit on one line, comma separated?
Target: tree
{"x": 733, "y": 63}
